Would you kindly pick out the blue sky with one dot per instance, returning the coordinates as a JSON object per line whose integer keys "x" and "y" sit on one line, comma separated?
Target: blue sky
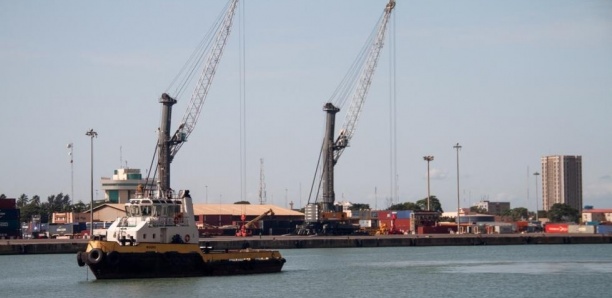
{"x": 511, "y": 81}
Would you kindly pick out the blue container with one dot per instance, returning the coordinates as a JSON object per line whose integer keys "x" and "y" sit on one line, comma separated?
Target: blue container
{"x": 604, "y": 229}
{"x": 9, "y": 214}
{"x": 404, "y": 214}
{"x": 9, "y": 225}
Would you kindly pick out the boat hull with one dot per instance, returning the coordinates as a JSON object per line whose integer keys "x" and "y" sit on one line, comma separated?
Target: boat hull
{"x": 128, "y": 262}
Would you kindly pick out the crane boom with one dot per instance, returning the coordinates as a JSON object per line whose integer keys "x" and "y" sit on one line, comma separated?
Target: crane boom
{"x": 365, "y": 80}
{"x": 332, "y": 150}
{"x": 203, "y": 85}
{"x": 169, "y": 146}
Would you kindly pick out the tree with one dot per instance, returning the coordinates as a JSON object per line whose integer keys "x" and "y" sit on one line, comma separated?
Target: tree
{"x": 434, "y": 204}
{"x": 405, "y": 206}
{"x": 517, "y": 213}
{"x": 358, "y": 206}
{"x": 562, "y": 213}
{"x": 2, "y": 197}
{"x": 22, "y": 200}
{"x": 79, "y": 207}
{"x": 478, "y": 210}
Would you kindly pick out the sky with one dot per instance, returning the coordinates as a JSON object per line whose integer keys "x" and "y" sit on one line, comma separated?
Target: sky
{"x": 510, "y": 81}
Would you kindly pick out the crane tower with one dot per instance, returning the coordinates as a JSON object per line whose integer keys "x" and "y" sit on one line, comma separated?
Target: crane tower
{"x": 169, "y": 146}
{"x": 322, "y": 217}
{"x": 332, "y": 149}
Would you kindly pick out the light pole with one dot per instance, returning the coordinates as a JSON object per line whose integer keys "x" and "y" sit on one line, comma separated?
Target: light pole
{"x": 428, "y": 158}
{"x": 206, "y": 194}
{"x": 458, "y": 201}
{"x": 536, "y": 174}
{"x": 91, "y": 133}
{"x": 71, "y": 146}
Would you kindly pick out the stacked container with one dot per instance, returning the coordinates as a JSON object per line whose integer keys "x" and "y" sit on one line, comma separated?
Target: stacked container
{"x": 10, "y": 227}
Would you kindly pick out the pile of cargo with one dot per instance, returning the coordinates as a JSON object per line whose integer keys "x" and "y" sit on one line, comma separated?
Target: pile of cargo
{"x": 10, "y": 228}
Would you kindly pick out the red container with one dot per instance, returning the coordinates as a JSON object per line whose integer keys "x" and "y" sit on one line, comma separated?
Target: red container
{"x": 8, "y": 204}
{"x": 436, "y": 229}
{"x": 403, "y": 224}
{"x": 557, "y": 228}
{"x": 218, "y": 220}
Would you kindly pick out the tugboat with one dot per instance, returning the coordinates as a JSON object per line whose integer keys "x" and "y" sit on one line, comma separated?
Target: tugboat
{"x": 158, "y": 236}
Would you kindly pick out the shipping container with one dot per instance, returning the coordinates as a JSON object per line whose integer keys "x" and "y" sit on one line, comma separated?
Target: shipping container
{"x": 403, "y": 224}
{"x": 504, "y": 229}
{"x": 604, "y": 229}
{"x": 8, "y": 204}
{"x": 362, "y": 214}
{"x": 6, "y": 214}
{"x": 68, "y": 229}
{"x": 404, "y": 214}
{"x": 365, "y": 223}
{"x": 581, "y": 229}
{"x": 10, "y": 234}
{"x": 384, "y": 214}
{"x": 218, "y": 220}
{"x": 10, "y": 225}
{"x": 557, "y": 228}
{"x": 447, "y": 229}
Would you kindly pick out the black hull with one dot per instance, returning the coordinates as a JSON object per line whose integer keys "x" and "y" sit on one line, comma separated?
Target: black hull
{"x": 173, "y": 264}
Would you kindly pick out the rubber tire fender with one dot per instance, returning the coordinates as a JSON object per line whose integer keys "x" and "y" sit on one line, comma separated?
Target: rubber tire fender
{"x": 95, "y": 256}
{"x": 80, "y": 259}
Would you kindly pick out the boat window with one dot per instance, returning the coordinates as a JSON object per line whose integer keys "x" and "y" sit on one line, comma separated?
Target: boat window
{"x": 146, "y": 210}
{"x": 135, "y": 210}
{"x": 157, "y": 210}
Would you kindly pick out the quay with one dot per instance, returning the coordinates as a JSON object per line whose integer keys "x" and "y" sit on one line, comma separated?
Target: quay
{"x": 59, "y": 246}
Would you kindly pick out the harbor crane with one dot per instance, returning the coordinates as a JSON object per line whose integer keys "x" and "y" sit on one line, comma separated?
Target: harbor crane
{"x": 213, "y": 49}
{"x": 327, "y": 219}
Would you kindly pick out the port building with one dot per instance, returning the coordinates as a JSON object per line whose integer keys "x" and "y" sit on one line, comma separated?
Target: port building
{"x": 124, "y": 185}
{"x": 495, "y": 208}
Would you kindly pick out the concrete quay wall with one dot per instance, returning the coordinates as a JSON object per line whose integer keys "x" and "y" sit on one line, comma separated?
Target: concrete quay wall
{"x": 56, "y": 246}
{"x": 388, "y": 241}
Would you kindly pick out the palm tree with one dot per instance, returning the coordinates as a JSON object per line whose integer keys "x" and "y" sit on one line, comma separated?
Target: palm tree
{"x": 22, "y": 201}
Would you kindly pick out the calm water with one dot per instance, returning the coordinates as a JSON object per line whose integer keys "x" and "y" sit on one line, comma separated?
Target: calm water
{"x": 470, "y": 271}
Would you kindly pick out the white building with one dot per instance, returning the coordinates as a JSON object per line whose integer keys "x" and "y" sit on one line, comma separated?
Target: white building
{"x": 123, "y": 185}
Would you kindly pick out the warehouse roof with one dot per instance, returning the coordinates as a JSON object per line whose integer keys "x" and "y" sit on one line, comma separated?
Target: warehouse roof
{"x": 233, "y": 209}
{"x": 239, "y": 209}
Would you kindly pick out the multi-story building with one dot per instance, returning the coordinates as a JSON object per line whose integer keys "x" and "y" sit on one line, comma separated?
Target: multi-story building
{"x": 124, "y": 185}
{"x": 495, "y": 208}
{"x": 562, "y": 181}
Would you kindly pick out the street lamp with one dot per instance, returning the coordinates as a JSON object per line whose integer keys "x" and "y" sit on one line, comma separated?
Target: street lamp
{"x": 91, "y": 133}
{"x": 536, "y": 174}
{"x": 458, "y": 206}
{"x": 428, "y": 158}
{"x": 71, "y": 147}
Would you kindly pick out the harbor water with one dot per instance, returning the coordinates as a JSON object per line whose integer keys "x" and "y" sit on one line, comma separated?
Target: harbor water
{"x": 458, "y": 271}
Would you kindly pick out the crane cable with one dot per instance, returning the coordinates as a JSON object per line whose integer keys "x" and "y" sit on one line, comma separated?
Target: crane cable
{"x": 242, "y": 74}
{"x": 195, "y": 61}
{"x": 186, "y": 74}
{"x": 342, "y": 93}
{"x": 393, "y": 116}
